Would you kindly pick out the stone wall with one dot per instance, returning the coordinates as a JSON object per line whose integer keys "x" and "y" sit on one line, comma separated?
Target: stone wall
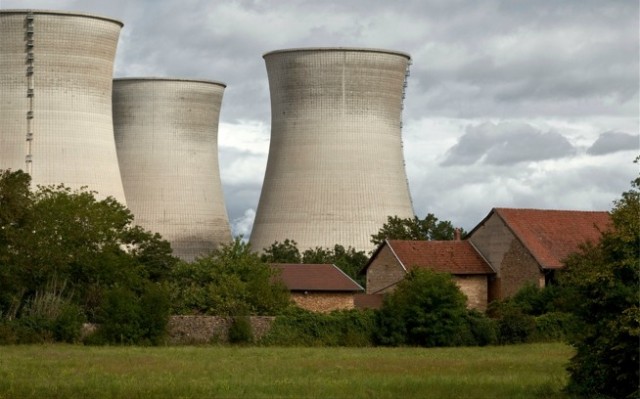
{"x": 518, "y": 269}
{"x": 192, "y": 330}
{"x": 475, "y": 287}
{"x": 323, "y": 301}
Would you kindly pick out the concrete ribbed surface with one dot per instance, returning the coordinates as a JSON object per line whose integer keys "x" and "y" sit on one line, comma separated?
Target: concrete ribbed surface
{"x": 167, "y": 140}
{"x": 335, "y": 169}
{"x": 56, "y": 72}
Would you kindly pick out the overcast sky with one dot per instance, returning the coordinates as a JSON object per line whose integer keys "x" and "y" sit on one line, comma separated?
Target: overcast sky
{"x": 527, "y": 104}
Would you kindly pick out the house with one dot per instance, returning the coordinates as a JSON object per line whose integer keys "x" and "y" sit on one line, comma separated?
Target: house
{"x": 527, "y": 245}
{"x": 319, "y": 287}
{"x": 393, "y": 259}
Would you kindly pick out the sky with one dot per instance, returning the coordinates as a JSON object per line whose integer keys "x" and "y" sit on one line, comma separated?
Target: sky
{"x": 522, "y": 104}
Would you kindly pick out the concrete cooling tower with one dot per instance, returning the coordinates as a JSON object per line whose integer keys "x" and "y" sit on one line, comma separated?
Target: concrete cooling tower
{"x": 167, "y": 140}
{"x": 56, "y": 72}
{"x": 335, "y": 169}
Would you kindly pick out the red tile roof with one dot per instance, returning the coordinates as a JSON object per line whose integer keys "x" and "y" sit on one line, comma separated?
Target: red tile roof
{"x": 455, "y": 257}
{"x": 551, "y": 235}
{"x": 315, "y": 277}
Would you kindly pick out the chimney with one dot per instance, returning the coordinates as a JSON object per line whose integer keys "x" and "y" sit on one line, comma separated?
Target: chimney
{"x": 457, "y": 234}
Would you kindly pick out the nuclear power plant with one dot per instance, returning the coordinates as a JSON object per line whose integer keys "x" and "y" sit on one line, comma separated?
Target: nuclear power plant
{"x": 335, "y": 169}
{"x": 56, "y": 71}
{"x": 167, "y": 140}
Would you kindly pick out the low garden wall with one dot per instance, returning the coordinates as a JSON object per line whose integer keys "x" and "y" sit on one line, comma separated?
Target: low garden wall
{"x": 211, "y": 329}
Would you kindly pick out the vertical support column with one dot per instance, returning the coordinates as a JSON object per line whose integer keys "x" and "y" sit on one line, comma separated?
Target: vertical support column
{"x": 30, "y": 60}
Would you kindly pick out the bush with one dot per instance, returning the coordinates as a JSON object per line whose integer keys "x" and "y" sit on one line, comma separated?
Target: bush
{"x": 515, "y": 327}
{"x": 128, "y": 318}
{"x": 426, "y": 309}
{"x": 240, "y": 331}
{"x": 300, "y": 327}
{"x": 483, "y": 330}
{"x": 556, "y": 326}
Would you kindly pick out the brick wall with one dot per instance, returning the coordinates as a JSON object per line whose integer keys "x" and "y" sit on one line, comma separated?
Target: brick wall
{"x": 190, "y": 330}
{"x": 323, "y": 301}
{"x": 519, "y": 268}
{"x": 512, "y": 262}
{"x": 384, "y": 271}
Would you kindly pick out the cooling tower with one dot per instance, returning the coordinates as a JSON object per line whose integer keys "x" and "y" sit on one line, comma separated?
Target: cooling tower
{"x": 335, "y": 169}
{"x": 56, "y": 72}
{"x": 167, "y": 140}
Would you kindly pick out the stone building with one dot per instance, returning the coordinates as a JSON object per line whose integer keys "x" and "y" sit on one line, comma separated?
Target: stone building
{"x": 319, "y": 287}
{"x": 393, "y": 259}
{"x": 528, "y": 245}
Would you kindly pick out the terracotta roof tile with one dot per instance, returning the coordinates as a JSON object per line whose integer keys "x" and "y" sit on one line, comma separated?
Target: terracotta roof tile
{"x": 551, "y": 235}
{"x": 315, "y": 277}
{"x": 455, "y": 257}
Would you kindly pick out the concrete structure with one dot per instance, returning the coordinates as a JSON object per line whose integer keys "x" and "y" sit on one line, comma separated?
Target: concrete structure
{"x": 393, "y": 259}
{"x": 319, "y": 287}
{"x": 526, "y": 246}
{"x": 56, "y": 71}
{"x": 336, "y": 167}
{"x": 167, "y": 140}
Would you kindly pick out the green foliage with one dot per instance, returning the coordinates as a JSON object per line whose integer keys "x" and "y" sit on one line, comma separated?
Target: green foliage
{"x": 56, "y": 234}
{"x": 231, "y": 281}
{"x": 299, "y": 327}
{"x": 556, "y": 327}
{"x": 350, "y": 261}
{"x": 605, "y": 280}
{"x": 282, "y": 252}
{"x": 483, "y": 330}
{"x": 128, "y": 317}
{"x": 426, "y": 309}
{"x": 240, "y": 331}
{"x": 429, "y": 228}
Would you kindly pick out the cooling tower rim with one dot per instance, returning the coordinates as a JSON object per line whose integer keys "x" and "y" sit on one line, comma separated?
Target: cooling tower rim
{"x": 168, "y": 79}
{"x": 343, "y": 49}
{"x": 63, "y": 13}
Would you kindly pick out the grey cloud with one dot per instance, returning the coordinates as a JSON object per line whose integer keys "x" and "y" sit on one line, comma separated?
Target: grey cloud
{"x": 506, "y": 144}
{"x": 610, "y": 142}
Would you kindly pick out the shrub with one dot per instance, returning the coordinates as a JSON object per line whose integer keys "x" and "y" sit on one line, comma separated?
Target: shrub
{"x": 556, "y": 326}
{"x": 484, "y": 331}
{"x": 515, "y": 327}
{"x": 126, "y": 317}
{"x": 240, "y": 331}
{"x": 300, "y": 327}
{"x": 426, "y": 309}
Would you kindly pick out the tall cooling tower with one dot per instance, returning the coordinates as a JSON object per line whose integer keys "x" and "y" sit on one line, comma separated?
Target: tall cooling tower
{"x": 56, "y": 72}
{"x": 167, "y": 139}
{"x": 335, "y": 169}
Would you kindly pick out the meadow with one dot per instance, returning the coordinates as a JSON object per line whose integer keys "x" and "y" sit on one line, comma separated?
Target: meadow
{"x": 75, "y": 371}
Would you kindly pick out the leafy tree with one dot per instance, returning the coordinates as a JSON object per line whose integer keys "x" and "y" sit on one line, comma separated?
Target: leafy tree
{"x": 605, "y": 280}
{"x": 349, "y": 260}
{"x": 56, "y": 234}
{"x": 425, "y": 309}
{"x": 282, "y": 252}
{"x": 429, "y": 228}
{"x": 231, "y": 281}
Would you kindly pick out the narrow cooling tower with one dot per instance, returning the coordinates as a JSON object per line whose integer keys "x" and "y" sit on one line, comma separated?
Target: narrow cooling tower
{"x": 167, "y": 139}
{"x": 335, "y": 169}
{"x": 56, "y": 72}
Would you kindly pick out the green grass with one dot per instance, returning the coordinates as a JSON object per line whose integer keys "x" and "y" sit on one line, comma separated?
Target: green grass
{"x": 67, "y": 371}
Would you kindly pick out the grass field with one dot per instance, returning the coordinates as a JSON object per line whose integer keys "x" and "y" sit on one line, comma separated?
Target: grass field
{"x": 67, "y": 371}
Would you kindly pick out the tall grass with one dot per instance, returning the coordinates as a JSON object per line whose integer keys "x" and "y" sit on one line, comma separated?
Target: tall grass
{"x": 67, "y": 371}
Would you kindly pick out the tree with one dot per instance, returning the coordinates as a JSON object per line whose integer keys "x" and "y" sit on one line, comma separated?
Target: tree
{"x": 231, "y": 281}
{"x": 429, "y": 228}
{"x": 425, "y": 309}
{"x": 604, "y": 280}
{"x": 349, "y": 260}
{"x": 56, "y": 234}
{"x": 282, "y": 252}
